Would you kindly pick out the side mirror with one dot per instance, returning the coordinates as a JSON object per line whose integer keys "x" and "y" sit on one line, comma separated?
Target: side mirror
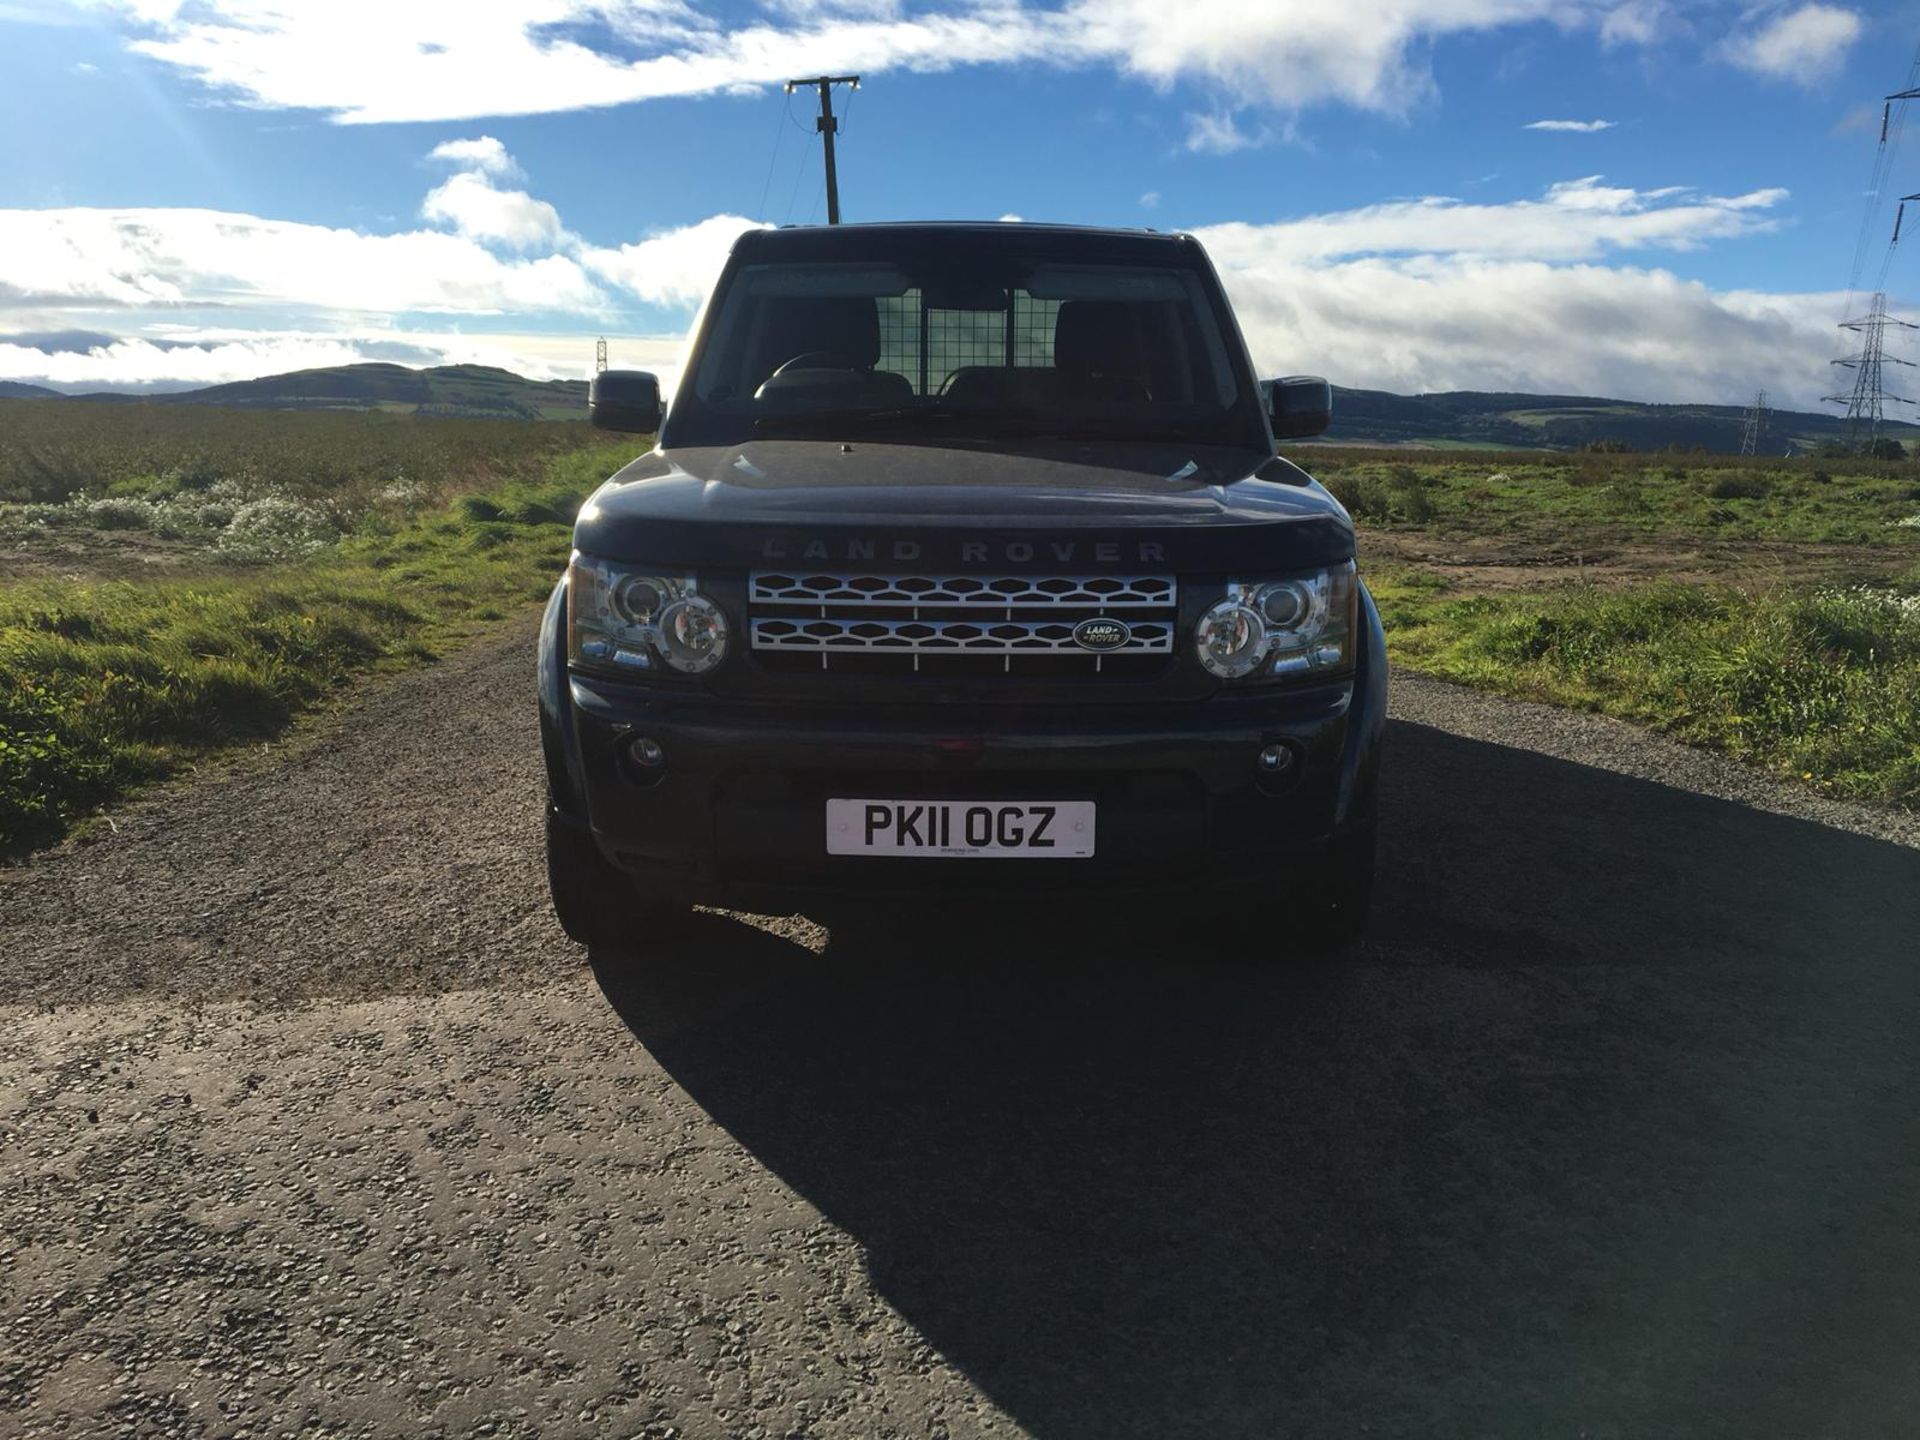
{"x": 1299, "y": 405}
{"x": 626, "y": 400}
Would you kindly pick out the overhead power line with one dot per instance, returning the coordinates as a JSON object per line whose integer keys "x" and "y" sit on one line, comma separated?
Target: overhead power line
{"x": 1868, "y": 398}
{"x": 779, "y": 134}
{"x": 1893, "y": 119}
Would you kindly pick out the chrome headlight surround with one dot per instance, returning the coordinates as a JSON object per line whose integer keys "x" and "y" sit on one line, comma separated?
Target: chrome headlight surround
{"x": 632, "y": 620}
{"x": 1288, "y": 627}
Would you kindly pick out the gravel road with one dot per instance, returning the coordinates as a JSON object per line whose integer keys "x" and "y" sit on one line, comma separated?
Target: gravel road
{"x": 312, "y": 1124}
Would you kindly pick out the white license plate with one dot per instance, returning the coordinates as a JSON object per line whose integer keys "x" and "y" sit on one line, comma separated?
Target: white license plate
{"x": 962, "y": 829}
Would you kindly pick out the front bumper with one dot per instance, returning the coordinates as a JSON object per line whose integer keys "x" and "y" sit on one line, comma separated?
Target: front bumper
{"x": 737, "y": 813}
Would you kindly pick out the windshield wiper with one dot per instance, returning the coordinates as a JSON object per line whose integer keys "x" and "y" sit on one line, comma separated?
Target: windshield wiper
{"x": 987, "y": 425}
{"x": 892, "y": 414}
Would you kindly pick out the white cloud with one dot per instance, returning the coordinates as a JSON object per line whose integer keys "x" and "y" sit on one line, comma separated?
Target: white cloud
{"x": 482, "y": 153}
{"x": 199, "y": 259}
{"x": 1572, "y": 127}
{"x": 1217, "y": 133}
{"x": 148, "y": 258}
{"x": 815, "y": 9}
{"x": 369, "y": 60}
{"x": 40, "y": 12}
{"x": 470, "y": 204}
{"x": 1150, "y": 200}
{"x": 1802, "y": 45}
{"x": 1447, "y": 323}
{"x": 1637, "y": 22}
{"x": 1433, "y": 294}
{"x": 75, "y": 282}
{"x": 1574, "y": 220}
{"x": 137, "y": 362}
{"x": 673, "y": 268}
{"x": 1414, "y": 294}
{"x": 186, "y": 359}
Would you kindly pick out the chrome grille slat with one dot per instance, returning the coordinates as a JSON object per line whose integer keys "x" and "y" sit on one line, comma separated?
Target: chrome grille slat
{"x": 853, "y": 590}
{"x": 948, "y": 637}
{"x": 950, "y": 625}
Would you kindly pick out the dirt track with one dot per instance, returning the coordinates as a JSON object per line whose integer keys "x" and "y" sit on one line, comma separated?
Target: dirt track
{"x": 311, "y": 1123}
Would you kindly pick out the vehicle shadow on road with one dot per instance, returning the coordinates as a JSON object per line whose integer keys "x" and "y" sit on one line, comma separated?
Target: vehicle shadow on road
{"x": 1609, "y": 1129}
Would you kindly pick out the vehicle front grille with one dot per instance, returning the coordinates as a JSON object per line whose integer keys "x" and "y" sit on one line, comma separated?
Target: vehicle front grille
{"x": 952, "y": 625}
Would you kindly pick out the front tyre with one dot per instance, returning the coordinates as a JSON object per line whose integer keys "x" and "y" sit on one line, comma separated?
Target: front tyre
{"x": 1343, "y": 897}
{"x": 595, "y": 903}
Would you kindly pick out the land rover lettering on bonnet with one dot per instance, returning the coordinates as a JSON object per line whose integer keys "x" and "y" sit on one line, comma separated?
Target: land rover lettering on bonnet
{"x": 965, "y": 561}
{"x": 965, "y": 552}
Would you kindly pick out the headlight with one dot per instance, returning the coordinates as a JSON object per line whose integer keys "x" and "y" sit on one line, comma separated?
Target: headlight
{"x": 622, "y": 619}
{"x": 1282, "y": 628}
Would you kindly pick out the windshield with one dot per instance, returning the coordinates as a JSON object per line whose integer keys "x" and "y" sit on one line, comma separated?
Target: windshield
{"x": 965, "y": 343}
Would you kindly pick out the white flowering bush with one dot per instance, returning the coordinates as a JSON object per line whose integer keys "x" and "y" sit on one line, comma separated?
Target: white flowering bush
{"x": 206, "y": 514}
{"x": 275, "y": 528}
{"x": 221, "y": 517}
{"x": 16, "y": 519}
{"x": 403, "y": 493}
{"x": 119, "y": 512}
{"x": 1863, "y": 623}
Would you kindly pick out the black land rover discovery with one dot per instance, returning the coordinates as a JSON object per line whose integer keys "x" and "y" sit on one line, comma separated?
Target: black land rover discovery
{"x": 964, "y": 562}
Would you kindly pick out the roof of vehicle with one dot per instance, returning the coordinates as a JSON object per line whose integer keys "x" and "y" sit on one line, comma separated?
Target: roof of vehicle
{"x": 988, "y": 225}
{"x": 871, "y": 240}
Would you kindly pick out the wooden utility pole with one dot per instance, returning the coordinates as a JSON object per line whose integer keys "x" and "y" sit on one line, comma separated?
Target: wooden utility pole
{"x": 828, "y": 127}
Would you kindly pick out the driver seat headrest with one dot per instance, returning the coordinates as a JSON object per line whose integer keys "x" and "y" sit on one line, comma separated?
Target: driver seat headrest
{"x": 796, "y": 325}
{"x": 1099, "y": 337}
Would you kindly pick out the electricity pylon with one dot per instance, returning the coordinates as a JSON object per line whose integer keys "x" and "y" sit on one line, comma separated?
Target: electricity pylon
{"x": 1756, "y": 427}
{"x": 1866, "y": 402}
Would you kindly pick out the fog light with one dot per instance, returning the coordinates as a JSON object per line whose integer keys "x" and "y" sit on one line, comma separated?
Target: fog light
{"x": 1276, "y": 760}
{"x": 648, "y": 753}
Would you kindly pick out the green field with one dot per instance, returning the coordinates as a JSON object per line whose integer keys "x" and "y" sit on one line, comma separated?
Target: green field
{"x": 1570, "y": 498}
{"x": 1764, "y": 608}
{"x": 178, "y": 581}
{"x": 52, "y": 450}
{"x": 201, "y": 596}
{"x": 1821, "y": 683}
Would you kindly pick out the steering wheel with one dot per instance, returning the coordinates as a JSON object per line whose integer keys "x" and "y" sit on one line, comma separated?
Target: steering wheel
{"x": 818, "y": 360}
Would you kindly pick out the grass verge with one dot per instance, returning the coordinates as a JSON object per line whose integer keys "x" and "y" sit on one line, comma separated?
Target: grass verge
{"x": 1819, "y": 684}
{"x": 1555, "y": 500}
{"x": 107, "y": 686}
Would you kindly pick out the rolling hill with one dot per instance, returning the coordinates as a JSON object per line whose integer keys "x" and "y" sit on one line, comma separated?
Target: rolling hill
{"x": 1568, "y": 422}
{"x": 1361, "y": 417}
{"x": 16, "y": 390}
{"x": 465, "y": 390}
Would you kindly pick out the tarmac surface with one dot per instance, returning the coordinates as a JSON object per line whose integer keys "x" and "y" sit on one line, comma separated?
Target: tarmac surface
{"x": 311, "y": 1122}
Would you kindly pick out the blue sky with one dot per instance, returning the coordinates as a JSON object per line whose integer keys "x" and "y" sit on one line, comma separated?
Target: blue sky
{"x": 193, "y": 192}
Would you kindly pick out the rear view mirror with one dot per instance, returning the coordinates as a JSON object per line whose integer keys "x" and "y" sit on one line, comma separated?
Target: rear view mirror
{"x": 979, "y": 295}
{"x": 1299, "y": 405}
{"x": 625, "y": 400}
